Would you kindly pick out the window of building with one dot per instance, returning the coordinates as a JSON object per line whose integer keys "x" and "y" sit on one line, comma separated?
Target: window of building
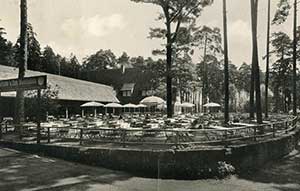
{"x": 127, "y": 89}
{"x": 126, "y": 93}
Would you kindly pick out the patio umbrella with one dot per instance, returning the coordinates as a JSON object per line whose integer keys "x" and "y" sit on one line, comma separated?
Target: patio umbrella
{"x": 152, "y": 101}
{"x": 187, "y": 105}
{"x": 130, "y": 105}
{"x": 140, "y": 106}
{"x": 162, "y": 105}
{"x": 91, "y": 104}
{"x": 113, "y": 105}
{"x": 212, "y": 105}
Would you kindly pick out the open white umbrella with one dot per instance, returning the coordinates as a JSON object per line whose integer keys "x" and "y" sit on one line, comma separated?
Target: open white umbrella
{"x": 152, "y": 101}
{"x": 113, "y": 105}
{"x": 91, "y": 104}
{"x": 141, "y": 106}
{"x": 187, "y": 105}
{"x": 212, "y": 105}
{"x": 130, "y": 105}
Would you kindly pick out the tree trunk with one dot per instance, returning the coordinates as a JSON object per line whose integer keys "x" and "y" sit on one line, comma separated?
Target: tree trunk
{"x": 226, "y": 73}
{"x": 254, "y": 7}
{"x": 267, "y": 63}
{"x": 205, "y": 74}
{"x": 295, "y": 61}
{"x": 169, "y": 82}
{"x": 252, "y": 84}
{"x": 19, "y": 117}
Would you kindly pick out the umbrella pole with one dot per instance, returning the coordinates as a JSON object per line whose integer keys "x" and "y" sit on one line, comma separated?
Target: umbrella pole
{"x": 82, "y": 112}
{"x": 67, "y": 113}
{"x": 95, "y": 112}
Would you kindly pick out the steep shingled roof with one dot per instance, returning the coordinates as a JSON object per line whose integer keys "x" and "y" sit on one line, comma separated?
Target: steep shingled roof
{"x": 68, "y": 88}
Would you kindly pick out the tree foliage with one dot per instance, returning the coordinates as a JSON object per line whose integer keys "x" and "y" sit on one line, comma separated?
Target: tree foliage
{"x": 281, "y": 68}
{"x": 178, "y": 16}
{"x": 48, "y": 102}
{"x": 34, "y": 51}
{"x": 102, "y": 59}
{"x": 282, "y": 12}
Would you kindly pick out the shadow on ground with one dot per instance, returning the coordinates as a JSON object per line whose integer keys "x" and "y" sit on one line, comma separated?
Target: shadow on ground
{"x": 19, "y": 171}
{"x": 284, "y": 174}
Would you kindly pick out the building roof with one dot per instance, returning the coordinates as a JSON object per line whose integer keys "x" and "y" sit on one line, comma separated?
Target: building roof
{"x": 68, "y": 88}
{"x": 128, "y": 87}
{"x": 122, "y": 79}
{"x": 118, "y": 77}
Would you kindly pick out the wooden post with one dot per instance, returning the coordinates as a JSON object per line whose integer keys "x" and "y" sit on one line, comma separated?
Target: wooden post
{"x": 81, "y": 136}
{"x": 177, "y": 139}
{"x": 67, "y": 113}
{"x": 286, "y": 127}
{"x": 274, "y": 130}
{"x": 255, "y": 129}
{"x": 1, "y": 118}
{"x": 48, "y": 134}
{"x": 123, "y": 137}
{"x": 1, "y": 130}
{"x": 38, "y": 135}
{"x": 20, "y": 129}
{"x": 226, "y": 137}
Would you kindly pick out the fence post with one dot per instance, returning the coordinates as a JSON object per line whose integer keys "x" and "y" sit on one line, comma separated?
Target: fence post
{"x": 123, "y": 137}
{"x": 48, "y": 134}
{"x": 81, "y": 136}
{"x": 1, "y": 131}
{"x": 226, "y": 137}
{"x": 38, "y": 121}
{"x": 177, "y": 139}
{"x": 255, "y": 129}
{"x": 274, "y": 130}
{"x": 286, "y": 127}
{"x": 6, "y": 127}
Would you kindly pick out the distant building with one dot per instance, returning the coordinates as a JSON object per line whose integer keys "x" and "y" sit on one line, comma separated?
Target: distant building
{"x": 71, "y": 92}
{"x": 130, "y": 84}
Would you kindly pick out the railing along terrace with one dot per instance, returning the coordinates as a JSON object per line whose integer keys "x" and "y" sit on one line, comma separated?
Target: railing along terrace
{"x": 176, "y": 137}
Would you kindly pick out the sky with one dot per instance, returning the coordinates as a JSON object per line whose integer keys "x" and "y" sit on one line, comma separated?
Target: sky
{"x": 82, "y": 27}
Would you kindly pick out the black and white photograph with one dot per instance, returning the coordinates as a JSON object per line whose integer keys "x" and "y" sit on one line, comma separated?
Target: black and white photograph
{"x": 149, "y": 95}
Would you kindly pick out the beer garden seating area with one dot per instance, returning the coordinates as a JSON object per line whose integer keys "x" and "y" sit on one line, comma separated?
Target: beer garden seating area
{"x": 183, "y": 130}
